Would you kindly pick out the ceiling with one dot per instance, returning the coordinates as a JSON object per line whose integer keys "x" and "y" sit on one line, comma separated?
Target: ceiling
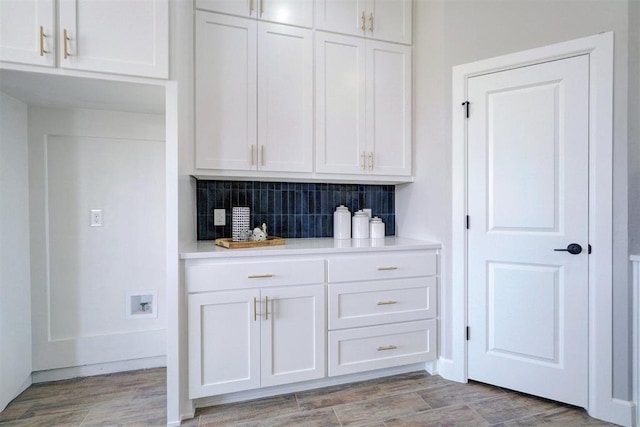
{"x": 50, "y": 90}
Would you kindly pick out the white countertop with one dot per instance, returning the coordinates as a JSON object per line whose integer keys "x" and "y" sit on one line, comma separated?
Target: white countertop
{"x": 208, "y": 249}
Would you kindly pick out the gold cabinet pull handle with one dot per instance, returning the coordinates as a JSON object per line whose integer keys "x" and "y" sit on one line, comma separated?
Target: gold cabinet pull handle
{"x": 250, "y": 7}
{"x": 371, "y": 22}
{"x": 261, "y": 7}
{"x": 66, "y": 38}
{"x": 387, "y": 347}
{"x": 262, "y": 155}
{"x": 259, "y": 276}
{"x": 266, "y": 308}
{"x": 255, "y": 309}
{"x": 42, "y": 36}
{"x": 390, "y": 302}
{"x": 252, "y": 158}
{"x": 362, "y": 156}
{"x": 387, "y": 268}
{"x": 371, "y": 161}
{"x": 363, "y": 20}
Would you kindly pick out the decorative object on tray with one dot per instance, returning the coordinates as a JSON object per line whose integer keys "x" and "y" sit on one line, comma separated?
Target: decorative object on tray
{"x": 240, "y": 224}
{"x": 259, "y": 234}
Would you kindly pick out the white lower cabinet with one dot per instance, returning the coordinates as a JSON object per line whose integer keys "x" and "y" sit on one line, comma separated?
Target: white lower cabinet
{"x": 268, "y": 321}
{"x": 251, "y": 338}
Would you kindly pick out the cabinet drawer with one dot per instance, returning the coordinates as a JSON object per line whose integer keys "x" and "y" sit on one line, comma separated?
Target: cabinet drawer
{"x": 374, "y": 303}
{"x": 377, "y": 347}
{"x": 202, "y": 277}
{"x": 383, "y": 266}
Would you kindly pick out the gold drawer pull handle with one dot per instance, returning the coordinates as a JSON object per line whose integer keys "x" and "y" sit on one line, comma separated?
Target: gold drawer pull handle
{"x": 66, "y": 44}
{"x": 387, "y": 268}
{"x": 387, "y": 347}
{"x": 260, "y": 276}
{"x": 390, "y": 302}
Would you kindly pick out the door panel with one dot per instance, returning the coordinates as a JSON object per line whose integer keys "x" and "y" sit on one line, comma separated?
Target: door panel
{"x": 225, "y": 96}
{"x": 528, "y": 195}
{"x": 285, "y": 98}
{"x": 20, "y": 22}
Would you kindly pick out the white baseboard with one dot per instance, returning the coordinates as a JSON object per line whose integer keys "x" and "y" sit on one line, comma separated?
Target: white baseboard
{"x": 617, "y": 411}
{"x": 431, "y": 367}
{"x": 98, "y": 369}
{"x": 446, "y": 369}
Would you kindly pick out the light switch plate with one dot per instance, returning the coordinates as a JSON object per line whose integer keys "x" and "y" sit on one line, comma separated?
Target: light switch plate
{"x": 219, "y": 217}
{"x": 96, "y": 218}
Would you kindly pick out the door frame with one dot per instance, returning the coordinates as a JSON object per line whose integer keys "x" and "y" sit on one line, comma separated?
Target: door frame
{"x": 601, "y": 403}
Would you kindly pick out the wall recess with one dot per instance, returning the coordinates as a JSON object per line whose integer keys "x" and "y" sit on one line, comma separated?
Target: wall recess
{"x": 141, "y": 304}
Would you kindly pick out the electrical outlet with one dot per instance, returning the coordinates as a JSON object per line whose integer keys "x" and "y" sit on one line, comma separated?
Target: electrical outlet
{"x": 219, "y": 217}
{"x": 96, "y": 218}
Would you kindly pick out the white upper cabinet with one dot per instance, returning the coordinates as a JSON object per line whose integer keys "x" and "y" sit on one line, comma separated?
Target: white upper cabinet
{"x": 225, "y": 95}
{"x": 291, "y": 12}
{"x": 389, "y": 20}
{"x": 27, "y": 31}
{"x": 363, "y": 106}
{"x": 120, "y": 37}
{"x": 116, "y": 37}
{"x": 254, "y": 95}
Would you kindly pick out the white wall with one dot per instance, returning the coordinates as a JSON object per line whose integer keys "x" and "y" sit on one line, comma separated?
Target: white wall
{"x": 89, "y": 159}
{"x": 453, "y": 32}
{"x": 15, "y": 305}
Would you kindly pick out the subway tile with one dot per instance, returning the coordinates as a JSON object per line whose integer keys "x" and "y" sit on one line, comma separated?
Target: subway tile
{"x": 290, "y": 209}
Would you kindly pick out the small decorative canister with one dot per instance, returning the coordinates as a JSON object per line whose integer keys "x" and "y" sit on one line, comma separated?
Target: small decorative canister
{"x": 342, "y": 223}
{"x": 376, "y": 228}
{"x": 360, "y": 225}
{"x": 240, "y": 224}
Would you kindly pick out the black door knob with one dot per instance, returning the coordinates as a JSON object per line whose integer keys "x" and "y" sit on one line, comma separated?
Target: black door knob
{"x": 573, "y": 249}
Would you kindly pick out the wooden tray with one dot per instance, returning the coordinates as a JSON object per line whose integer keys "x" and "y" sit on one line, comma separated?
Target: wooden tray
{"x": 228, "y": 243}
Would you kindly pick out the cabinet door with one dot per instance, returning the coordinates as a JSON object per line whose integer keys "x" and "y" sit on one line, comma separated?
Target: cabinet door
{"x": 285, "y": 98}
{"x": 389, "y": 108}
{"x": 340, "y": 103}
{"x": 20, "y": 34}
{"x": 390, "y": 20}
{"x": 232, "y": 7}
{"x": 341, "y": 16}
{"x": 224, "y": 341}
{"x": 292, "y": 12}
{"x": 293, "y": 334}
{"x": 225, "y": 92}
{"x": 121, "y": 37}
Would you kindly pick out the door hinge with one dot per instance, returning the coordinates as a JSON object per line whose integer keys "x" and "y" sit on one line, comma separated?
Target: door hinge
{"x": 468, "y": 222}
{"x": 466, "y": 105}
{"x": 468, "y": 333}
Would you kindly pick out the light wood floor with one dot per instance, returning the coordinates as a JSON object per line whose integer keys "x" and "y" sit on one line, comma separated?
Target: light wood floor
{"x": 416, "y": 399}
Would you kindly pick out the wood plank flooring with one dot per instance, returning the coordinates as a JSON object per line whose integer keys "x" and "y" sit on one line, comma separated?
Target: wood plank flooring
{"x": 416, "y": 399}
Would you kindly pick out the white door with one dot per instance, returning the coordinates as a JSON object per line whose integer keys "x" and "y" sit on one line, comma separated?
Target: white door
{"x": 285, "y": 98}
{"x": 224, "y": 342}
{"x": 225, "y": 92}
{"x": 27, "y": 31}
{"x": 340, "y": 104}
{"x": 388, "y": 109}
{"x": 293, "y": 334}
{"x": 528, "y": 196}
{"x": 121, "y": 37}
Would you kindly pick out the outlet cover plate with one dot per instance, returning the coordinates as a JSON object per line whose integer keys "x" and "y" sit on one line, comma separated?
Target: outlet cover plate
{"x": 219, "y": 217}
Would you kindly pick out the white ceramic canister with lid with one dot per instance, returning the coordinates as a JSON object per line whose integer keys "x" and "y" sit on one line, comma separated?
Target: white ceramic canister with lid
{"x": 342, "y": 223}
{"x": 360, "y": 225}
{"x": 376, "y": 228}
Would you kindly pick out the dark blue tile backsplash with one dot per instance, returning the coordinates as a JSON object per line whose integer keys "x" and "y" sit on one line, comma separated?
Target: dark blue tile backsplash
{"x": 290, "y": 210}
